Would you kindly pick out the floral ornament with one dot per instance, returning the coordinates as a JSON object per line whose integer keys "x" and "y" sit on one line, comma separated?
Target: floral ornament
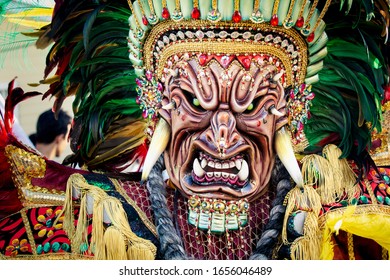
{"x": 17, "y": 247}
{"x": 381, "y": 182}
{"x": 299, "y": 110}
{"x": 45, "y": 225}
{"x": 149, "y": 95}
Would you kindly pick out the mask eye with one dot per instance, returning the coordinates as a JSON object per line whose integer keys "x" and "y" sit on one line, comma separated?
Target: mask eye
{"x": 196, "y": 102}
{"x": 250, "y": 107}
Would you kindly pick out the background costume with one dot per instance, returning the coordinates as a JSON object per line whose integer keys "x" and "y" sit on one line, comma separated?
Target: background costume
{"x": 325, "y": 65}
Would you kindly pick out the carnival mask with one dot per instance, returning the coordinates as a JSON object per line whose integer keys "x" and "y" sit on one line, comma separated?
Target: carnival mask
{"x": 222, "y": 124}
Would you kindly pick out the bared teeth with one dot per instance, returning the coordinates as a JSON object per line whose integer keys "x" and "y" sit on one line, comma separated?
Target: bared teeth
{"x": 221, "y": 170}
{"x": 203, "y": 163}
{"x": 244, "y": 171}
{"x": 238, "y": 163}
{"x": 198, "y": 170}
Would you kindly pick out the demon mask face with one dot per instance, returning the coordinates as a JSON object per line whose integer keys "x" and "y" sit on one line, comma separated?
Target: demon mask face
{"x": 225, "y": 111}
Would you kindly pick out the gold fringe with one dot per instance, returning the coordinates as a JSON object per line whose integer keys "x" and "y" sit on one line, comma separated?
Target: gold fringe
{"x": 308, "y": 246}
{"x": 140, "y": 251}
{"x": 333, "y": 177}
{"x": 67, "y": 209}
{"x": 114, "y": 244}
{"x": 348, "y": 182}
{"x": 81, "y": 234}
{"x": 317, "y": 172}
{"x": 305, "y": 199}
{"x": 117, "y": 241}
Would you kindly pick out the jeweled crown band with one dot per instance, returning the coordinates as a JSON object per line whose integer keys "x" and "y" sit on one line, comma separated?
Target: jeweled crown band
{"x": 199, "y": 37}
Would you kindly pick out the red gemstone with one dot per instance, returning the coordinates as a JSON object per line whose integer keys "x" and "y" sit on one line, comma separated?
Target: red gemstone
{"x": 300, "y": 22}
{"x": 245, "y": 61}
{"x": 202, "y": 59}
{"x": 310, "y": 38}
{"x": 275, "y": 20}
{"x": 165, "y": 13}
{"x": 195, "y": 14}
{"x": 145, "y": 20}
{"x": 236, "y": 17}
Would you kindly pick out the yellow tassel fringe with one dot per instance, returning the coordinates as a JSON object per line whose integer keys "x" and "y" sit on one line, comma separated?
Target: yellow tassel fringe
{"x": 112, "y": 237}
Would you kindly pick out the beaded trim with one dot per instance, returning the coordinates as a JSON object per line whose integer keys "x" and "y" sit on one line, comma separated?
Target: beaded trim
{"x": 217, "y": 216}
{"x": 168, "y": 39}
{"x": 25, "y": 166}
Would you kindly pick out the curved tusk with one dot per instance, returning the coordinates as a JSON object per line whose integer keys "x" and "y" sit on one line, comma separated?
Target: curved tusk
{"x": 274, "y": 111}
{"x": 278, "y": 76}
{"x": 171, "y": 105}
{"x": 157, "y": 146}
{"x": 285, "y": 152}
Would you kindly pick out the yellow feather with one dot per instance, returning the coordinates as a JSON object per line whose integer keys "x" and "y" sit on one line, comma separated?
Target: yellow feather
{"x": 34, "y": 12}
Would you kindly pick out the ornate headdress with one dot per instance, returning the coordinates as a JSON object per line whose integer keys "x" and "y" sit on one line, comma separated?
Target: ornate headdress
{"x": 318, "y": 51}
{"x": 330, "y": 56}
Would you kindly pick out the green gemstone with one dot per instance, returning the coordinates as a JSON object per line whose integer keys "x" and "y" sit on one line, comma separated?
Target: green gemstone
{"x": 354, "y": 201}
{"x": 387, "y": 200}
{"x": 49, "y": 223}
{"x": 344, "y": 203}
{"x": 250, "y": 107}
{"x": 386, "y": 178}
{"x": 39, "y": 249}
{"x": 46, "y": 247}
{"x": 65, "y": 247}
{"x": 379, "y": 198}
{"x": 56, "y": 247}
{"x": 364, "y": 199}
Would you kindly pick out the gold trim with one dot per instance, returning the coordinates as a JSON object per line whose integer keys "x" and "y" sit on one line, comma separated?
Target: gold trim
{"x": 385, "y": 254}
{"x": 223, "y": 47}
{"x": 25, "y": 166}
{"x": 351, "y": 252}
{"x": 300, "y": 15}
{"x": 226, "y": 47}
{"x": 256, "y": 5}
{"x": 50, "y": 256}
{"x": 151, "y": 7}
{"x": 324, "y": 10}
{"x": 311, "y": 12}
{"x": 370, "y": 192}
{"x": 236, "y": 5}
{"x": 133, "y": 13}
{"x": 275, "y": 8}
{"x": 290, "y": 9}
{"x": 30, "y": 235}
{"x": 141, "y": 214}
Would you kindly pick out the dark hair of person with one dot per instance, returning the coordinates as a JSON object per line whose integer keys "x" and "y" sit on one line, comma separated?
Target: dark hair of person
{"x": 48, "y": 127}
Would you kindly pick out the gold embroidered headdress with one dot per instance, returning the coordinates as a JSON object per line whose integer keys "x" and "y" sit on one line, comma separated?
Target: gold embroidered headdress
{"x": 289, "y": 34}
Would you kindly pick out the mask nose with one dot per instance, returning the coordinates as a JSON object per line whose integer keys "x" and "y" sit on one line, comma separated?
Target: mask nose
{"x": 223, "y": 131}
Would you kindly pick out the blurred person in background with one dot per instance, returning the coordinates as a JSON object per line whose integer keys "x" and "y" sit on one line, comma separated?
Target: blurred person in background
{"x": 51, "y": 134}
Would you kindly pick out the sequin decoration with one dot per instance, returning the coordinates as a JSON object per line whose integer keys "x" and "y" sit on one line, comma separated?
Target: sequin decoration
{"x": 149, "y": 95}
{"x": 299, "y": 111}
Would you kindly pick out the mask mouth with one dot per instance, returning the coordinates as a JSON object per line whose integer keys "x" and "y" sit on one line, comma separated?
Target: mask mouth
{"x": 232, "y": 172}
